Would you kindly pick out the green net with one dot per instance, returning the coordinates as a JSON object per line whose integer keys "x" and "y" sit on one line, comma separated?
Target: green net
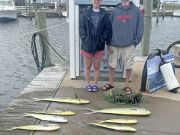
{"x": 119, "y": 96}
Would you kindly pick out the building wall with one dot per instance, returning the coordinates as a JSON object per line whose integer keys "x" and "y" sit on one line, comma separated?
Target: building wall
{"x": 19, "y": 2}
{"x": 22, "y": 3}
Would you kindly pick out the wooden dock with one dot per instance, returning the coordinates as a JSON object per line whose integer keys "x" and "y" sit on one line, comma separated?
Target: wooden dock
{"x": 45, "y": 84}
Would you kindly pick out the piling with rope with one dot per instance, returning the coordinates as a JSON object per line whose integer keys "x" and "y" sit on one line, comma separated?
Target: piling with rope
{"x": 41, "y": 24}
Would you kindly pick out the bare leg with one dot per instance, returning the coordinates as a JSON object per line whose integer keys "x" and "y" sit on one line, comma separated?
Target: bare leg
{"x": 128, "y": 77}
{"x": 111, "y": 75}
{"x": 96, "y": 65}
{"x": 87, "y": 67}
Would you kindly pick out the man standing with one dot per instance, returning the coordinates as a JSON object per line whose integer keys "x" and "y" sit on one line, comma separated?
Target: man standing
{"x": 127, "y": 31}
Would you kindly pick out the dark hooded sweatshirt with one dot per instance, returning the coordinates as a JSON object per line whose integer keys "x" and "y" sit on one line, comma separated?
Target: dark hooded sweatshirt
{"x": 94, "y": 34}
{"x": 127, "y": 26}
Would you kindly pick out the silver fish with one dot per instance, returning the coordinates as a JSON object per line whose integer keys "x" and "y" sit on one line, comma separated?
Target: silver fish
{"x": 51, "y": 118}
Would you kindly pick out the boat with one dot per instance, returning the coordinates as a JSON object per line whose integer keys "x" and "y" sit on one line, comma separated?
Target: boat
{"x": 8, "y": 11}
{"x": 176, "y": 13}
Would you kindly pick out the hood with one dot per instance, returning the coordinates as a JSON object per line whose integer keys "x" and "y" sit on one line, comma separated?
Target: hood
{"x": 131, "y": 5}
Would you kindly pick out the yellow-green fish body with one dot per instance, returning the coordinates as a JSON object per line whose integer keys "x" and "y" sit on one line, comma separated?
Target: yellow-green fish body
{"x": 66, "y": 100}
{"x": 51, "y": 118}
{"x": 115, "y": 127}
{"x": 122, "y": 111}
{"x": 60, "y": 113}
{"x": 120, "y": 121}
{"x": 47, "y": 127}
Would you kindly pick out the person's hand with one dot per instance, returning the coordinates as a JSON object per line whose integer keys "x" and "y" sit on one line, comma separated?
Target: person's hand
{"x": 110, "y": 49}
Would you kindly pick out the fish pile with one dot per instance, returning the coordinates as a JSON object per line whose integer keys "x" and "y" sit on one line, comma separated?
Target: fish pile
{"x": 109, "y": 123}
{"x": 119, "y": 111}
{"x": 51, "y": 116}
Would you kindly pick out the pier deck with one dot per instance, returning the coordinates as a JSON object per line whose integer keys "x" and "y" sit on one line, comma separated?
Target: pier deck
{"x": 55, "y": 82}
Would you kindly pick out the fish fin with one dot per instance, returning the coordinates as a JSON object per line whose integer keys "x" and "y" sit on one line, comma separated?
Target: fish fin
{"x": 92, "y": 111}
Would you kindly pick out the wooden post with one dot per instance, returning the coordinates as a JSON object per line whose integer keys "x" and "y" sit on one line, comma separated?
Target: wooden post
{"x": 35, "y": 7}
{"x": 163, "y": 9}
{"x": 148, "y": 4}
{"x": 30, "y": 14}
{"x": 60, "y": 8}
{"x": 41, "y": 24}
{"x": 35, "y": 10}
{"x": 173, "y": 9}
{"x": 158, "y": 8}
{"x": 67, "y": 8}
{"x": 26, "y": 7}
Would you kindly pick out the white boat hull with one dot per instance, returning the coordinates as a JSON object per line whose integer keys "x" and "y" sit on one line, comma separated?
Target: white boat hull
{"x": 8, "y": 15}
{"x": 177, "y": 14}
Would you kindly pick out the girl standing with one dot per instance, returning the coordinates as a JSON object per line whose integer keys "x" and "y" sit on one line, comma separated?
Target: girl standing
{"x": 94, "y": 32}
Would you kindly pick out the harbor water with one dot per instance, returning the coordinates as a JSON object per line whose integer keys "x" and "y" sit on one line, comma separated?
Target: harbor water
{"x": 16, "y": 61}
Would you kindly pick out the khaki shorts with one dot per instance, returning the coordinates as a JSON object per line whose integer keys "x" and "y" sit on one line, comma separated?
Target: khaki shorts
{"x": 126, "y": 53}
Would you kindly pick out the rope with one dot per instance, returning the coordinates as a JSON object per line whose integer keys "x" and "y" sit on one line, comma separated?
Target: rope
{"x": 41, "y": 66}
{"x": 30, "y": 33}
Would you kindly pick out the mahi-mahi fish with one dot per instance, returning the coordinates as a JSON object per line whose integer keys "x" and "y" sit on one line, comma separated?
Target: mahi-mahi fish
{"x": 66, "y": 100}
{"x": 114, "y": 127}
{"x": 120, "y": 121}
{"x": 58, "y": 113}
{"x": 122, "y": 111}
{"x": 47, "y": 127}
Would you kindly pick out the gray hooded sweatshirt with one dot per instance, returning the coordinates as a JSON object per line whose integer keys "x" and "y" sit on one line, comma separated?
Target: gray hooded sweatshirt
{"x": 127, "y": 26}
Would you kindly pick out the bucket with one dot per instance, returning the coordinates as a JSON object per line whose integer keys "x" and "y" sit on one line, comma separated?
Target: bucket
{"x": 169, "y": 76}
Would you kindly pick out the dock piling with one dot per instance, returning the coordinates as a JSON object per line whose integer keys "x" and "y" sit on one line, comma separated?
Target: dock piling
{"x": 148, "y": 4}
{"x": 41, "y": 24}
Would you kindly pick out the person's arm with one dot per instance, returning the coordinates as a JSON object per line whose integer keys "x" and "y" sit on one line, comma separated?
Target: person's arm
{"x": 82, "y": 27}
{"x": 107, "y": 35}
{"x": 139, "y": 30}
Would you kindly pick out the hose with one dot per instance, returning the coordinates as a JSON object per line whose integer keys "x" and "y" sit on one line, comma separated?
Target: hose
{"x": 41, "y": 66}
{"x": 169, "y": 48}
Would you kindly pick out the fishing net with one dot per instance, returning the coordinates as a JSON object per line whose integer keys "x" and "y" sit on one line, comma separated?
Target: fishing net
{"x": 120, "y": 96}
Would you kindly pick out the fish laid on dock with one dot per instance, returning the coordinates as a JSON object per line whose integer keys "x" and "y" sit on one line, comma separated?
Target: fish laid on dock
{"x": 47, "y": 127}
{"x": 115, "y": 127}
{"x": 65, "y": 100}
{"x": 122, "y": 111}
{"x": 59, "y": 113}
{"x": 51, "y": 118}
{"x": 120, "y": 121}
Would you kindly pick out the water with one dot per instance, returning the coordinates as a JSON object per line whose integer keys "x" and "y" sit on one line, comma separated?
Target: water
{"x": 164, "y": 33}
{"x": 17, "y": 65}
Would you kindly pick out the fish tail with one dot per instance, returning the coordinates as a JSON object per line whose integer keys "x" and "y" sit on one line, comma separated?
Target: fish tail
{"x": 35, "y": 99}
{"x": 9, "y": 129}
{"x": 25, "y": 114}
{"x": 92, "y": 111}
